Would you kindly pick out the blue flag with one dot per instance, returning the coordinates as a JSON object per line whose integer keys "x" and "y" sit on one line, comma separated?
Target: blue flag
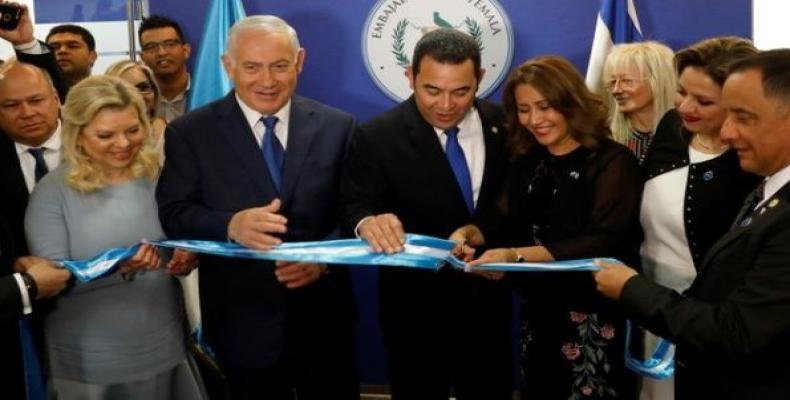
{"x": 209, "y": 81}
{"x": 617, "y": 23}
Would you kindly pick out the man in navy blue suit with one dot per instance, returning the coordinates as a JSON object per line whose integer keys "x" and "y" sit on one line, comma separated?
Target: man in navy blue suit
{"x": 259, "y": 167}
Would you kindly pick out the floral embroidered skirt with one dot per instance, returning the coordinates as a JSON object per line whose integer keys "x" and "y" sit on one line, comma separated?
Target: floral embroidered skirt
{"x": 569, "y": 354}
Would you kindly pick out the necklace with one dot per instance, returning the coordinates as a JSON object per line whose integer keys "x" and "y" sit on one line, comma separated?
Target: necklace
{"x": 710, "y": 146}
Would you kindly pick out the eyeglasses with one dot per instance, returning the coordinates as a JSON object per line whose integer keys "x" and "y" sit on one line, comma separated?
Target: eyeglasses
{"x": 625, "y": 83}
{"x": 145, "y": 87}
{"x": 168, "y": 45}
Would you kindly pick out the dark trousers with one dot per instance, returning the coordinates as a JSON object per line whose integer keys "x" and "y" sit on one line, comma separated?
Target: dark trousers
{"x": 446, "y": 333}
{"x": 316, "y": 364}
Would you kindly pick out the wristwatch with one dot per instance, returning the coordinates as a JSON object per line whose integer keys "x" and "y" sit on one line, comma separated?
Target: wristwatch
{"x": 519, "y": 257}
{"x": 30, "y": 285}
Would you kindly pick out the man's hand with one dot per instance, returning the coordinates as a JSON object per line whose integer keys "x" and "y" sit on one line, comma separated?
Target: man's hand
{"x": 24, "y": 31}
{"x": 298, "y": 274}
{"x": 466, "y": 238}
{"x": 611, "y": 279}
{"x": 252, "y": 227}
{"x": 50, "y": 279}
{"x": 383, "y": 232}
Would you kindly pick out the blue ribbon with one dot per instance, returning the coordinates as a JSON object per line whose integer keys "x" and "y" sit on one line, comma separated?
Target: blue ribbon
{"x": 660, "y": 365}
{"x": 421, "y": 252}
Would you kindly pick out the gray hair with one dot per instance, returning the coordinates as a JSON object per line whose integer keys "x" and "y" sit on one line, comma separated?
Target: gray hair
{"x": 262, "y": 23}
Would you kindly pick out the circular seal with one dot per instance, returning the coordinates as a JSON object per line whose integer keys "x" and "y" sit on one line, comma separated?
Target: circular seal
{"x": 393, "y": 28}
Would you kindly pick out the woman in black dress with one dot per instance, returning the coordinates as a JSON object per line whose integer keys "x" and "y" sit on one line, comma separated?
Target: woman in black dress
{"x": 572, "y": 193}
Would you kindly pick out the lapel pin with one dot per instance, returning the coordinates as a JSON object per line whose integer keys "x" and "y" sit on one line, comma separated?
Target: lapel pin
{"x": 494, "y": 129}
{"x": 773, "y": 203}
{"x": 708, "y": 175}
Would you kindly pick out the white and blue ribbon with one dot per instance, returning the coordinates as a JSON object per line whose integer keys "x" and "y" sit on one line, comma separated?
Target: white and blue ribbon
{"x": 660, "y": 365}
{"x": 421, "y": 252}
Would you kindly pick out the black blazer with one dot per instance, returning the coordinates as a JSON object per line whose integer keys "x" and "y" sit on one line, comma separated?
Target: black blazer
{"x": 715, "y": 189}
{"x": 213, "y": 169}
{"x": 13, "y": 202}
{"x": 396, "y": 164}
{"x": 733, "y": 325}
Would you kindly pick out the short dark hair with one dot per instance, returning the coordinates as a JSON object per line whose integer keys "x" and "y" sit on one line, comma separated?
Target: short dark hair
{"x": 714, "y": 56}
{"x": 154, "y": 21}
{"x": 447, "y": 46}
{"x": 85, "y": 34}
{"x": 774, "y": 66}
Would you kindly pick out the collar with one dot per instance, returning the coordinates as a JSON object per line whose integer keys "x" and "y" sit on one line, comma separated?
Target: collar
{"x": 253, "y": 116}
{"x": 53, "y": 143}
{"x": 776, "y": 181}
{"x": 181, "y": 96}
{"x": 469, "y": 124}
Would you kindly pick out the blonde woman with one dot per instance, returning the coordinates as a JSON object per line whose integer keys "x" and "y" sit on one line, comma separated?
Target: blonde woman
{"x": 122, "y": 336}
{"x": 141, "y": 77}
{"x": 640, "y": 83}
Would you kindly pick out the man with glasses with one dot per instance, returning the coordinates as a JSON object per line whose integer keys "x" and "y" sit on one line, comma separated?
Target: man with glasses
{"x": 165, "y": 51}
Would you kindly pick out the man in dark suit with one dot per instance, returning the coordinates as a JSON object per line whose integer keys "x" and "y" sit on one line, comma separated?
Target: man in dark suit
{"x": 732, "y": 326}
{"x": 258, "y": 167}
{"x": 29, "y": 106}
{"x": 34, "y": 279}
{"x": 428, "y": 166}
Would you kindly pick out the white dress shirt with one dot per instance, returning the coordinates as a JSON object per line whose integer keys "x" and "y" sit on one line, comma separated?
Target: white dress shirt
{"x": 773, "y": 183}
{"x": 470, "y": 138}
{"x": 256, "y": 125}
{"x": 52, "y": 156}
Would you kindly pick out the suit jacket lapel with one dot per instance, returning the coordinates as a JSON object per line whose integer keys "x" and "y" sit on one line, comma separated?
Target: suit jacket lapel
{"x": 233, "y": 126}
{"x": 493, "y": 136}
{"x": 303, "y": 127}
{"x": 425, "y": 141}
{"x": 778, "y": 201}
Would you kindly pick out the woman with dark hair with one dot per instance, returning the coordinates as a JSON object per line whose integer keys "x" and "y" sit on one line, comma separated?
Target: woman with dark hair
{"x": 572, "y": 193}
{"x": 694, "y": 185}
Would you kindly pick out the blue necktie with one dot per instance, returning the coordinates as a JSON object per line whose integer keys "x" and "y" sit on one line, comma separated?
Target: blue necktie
{"x": 41, "y": 164}
{"x": 455, "y": 154}
{"x": 273, "y": 152}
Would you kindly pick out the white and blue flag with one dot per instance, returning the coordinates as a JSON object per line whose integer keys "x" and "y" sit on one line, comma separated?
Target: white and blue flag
{"x": 617, "y": 23}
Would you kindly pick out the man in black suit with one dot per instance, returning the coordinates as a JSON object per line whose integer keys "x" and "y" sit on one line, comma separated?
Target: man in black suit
{"x": 260, "y": 166}
{"x": 428, "y": 166}
{"x": 29, "y": 106}
{"x": 732, "y": 326}
{"x": 34, "y": 279}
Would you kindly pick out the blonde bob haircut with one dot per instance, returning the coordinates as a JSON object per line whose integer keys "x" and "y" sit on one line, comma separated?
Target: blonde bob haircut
{"x": 654, "y": 62}
{"x": 85, "y": 100}
{"x": 119, "y": 68}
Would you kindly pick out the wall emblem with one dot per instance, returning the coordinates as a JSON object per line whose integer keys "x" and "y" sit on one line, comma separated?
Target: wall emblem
{"x": 393, "y": 27}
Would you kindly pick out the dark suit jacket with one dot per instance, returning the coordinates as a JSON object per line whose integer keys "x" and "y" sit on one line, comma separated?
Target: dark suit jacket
{"x": 13, "y": 202}
{"x": 733, "y": 325}
{"x": 396, "y": 164}
{"x": 213, "y": 169}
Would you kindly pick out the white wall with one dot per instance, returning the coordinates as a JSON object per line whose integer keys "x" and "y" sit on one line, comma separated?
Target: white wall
{"x": 770, "y": 27}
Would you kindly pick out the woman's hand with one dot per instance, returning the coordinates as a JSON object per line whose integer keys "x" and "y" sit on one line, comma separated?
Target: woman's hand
{"x": 498, "y": 256}
{"x": 611, "y": 279}
{"x": 146, "y": 258}
{"x": 182, "y": 262}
